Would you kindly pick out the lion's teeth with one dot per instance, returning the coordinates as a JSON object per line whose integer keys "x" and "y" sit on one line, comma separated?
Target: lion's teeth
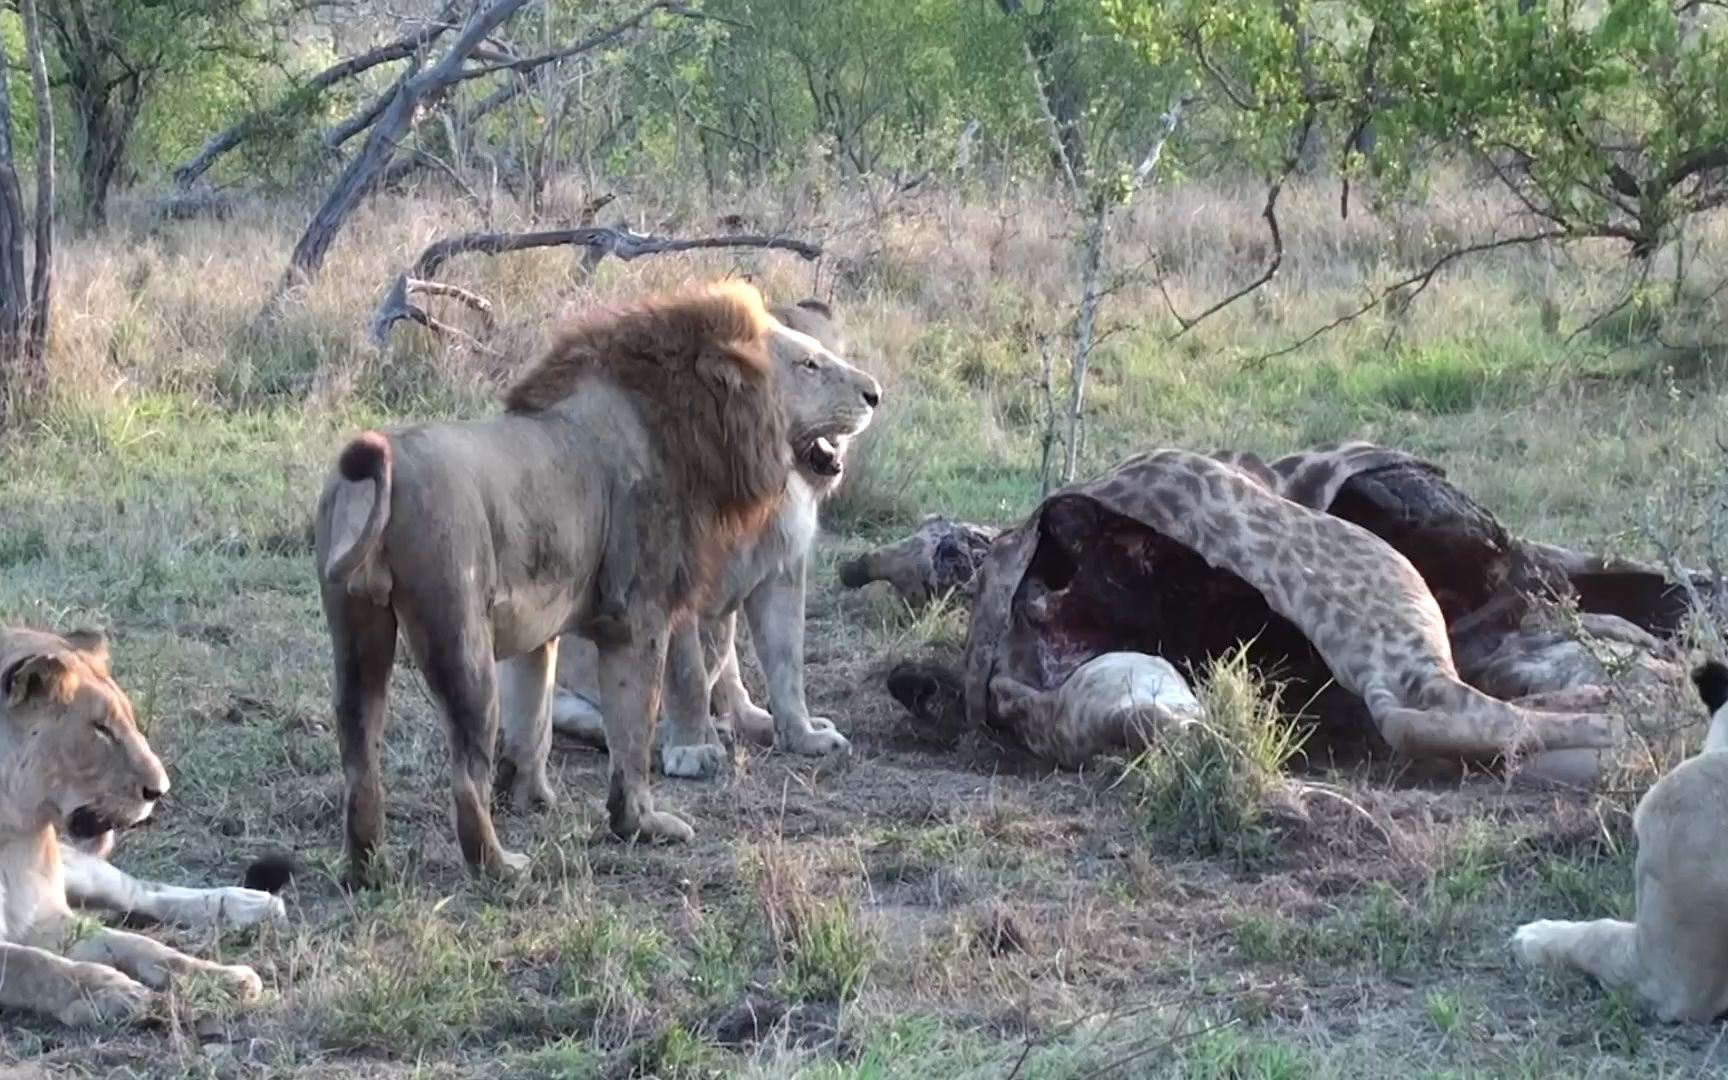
{"x": 827, "y": 447}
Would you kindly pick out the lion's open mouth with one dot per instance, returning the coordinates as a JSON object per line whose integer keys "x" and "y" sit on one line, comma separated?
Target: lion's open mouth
{"x": 823, "y": 456}
{"x": 86, "y": 823}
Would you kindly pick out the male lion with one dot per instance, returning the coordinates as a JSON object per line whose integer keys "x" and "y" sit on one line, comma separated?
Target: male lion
{"x": 72, "y": 759}
{"x": 485, "y": 540}
{"x": 1675, "y": 953}
{"x": 828, "y": 404}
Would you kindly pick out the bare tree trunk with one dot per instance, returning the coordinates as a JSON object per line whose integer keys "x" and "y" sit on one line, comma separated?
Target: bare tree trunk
{"x": 1091, "y": 263}
{"x": 104, "y": 126}
{"x": 223, "y": 141}
{"x": 363, "y": 172}
{"x": 14, "y": 298}
{"x": 1047, "y": 436}
{"x": 42, "y": 274}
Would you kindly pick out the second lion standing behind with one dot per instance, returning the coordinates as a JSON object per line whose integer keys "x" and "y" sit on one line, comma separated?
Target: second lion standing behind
{"x": 828, "y": 405}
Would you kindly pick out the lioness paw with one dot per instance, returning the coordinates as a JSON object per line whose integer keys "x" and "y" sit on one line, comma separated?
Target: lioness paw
{"x": 240, "y": 908}
{"x": 106, "y": 997}
{"x": 816, "y": 738}
{"x": 693, "y": 762}
{"x": 242, "y": 982}
{"x": 1534, "y": 943}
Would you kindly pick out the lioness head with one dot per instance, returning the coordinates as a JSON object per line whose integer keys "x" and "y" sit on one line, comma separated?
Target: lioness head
{"x": 827, "y": 400}
{"x": 71, "y": 754}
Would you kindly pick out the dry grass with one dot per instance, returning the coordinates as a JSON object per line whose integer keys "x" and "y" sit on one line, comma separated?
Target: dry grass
{"x": 933, "y": 909}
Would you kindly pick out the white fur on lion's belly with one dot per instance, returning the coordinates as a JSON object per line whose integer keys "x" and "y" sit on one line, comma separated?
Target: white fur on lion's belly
{"x": 1124, "y": 682}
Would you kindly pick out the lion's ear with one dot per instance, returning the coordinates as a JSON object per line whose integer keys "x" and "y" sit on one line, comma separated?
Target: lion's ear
{"x": 92, "y": 643}
{"x": 43, "y": 677}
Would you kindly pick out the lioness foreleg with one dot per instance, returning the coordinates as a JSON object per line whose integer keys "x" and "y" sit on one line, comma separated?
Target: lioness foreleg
{"x": 776, "y": 613}
{"x": 94, "y": 883}
{"x": 525, "y": 702}
{"x": 689, "y": 746}
{"x": 76, "y": 994}
{"x": 155, "y": 965}
{"x": 631, "y": 672}
{"x": 1605, "y": 949}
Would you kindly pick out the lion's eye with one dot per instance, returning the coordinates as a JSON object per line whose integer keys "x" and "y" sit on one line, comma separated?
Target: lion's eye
{"x": 809, "y": 363}
{"x": 104, "y": 730}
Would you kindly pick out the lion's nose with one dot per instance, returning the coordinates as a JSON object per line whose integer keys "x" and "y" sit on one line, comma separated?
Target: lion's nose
{"x": 873, "y": 395}
{"x": 153, "y": 794}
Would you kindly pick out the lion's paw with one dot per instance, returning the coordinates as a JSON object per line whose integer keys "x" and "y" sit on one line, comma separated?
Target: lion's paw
{"x": 106, "y": 997}
{"x": 532, "y": 792}
{"x": 753, "y": 723}
{"x": 508, "y": 865}
{"x": 817, "y": 738}
{"x": 1534, "y": 943}
{"x": 658, "y": 825}
{"x": 693, "y": 762}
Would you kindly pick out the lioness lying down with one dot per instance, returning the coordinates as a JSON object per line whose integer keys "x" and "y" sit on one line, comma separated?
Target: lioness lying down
{"x": 72, "y": 759}
{"x": 828, "y": 406}
{"x": 645, "y": 445}
{"x": 1674, "y": 954}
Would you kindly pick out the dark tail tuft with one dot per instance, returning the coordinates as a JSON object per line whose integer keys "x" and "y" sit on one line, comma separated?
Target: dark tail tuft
{"x": 1711, "y": 679}
{"x": 270, "y": 874}
{"x": 364, "y": 458}
{"x": 853, "y": 574}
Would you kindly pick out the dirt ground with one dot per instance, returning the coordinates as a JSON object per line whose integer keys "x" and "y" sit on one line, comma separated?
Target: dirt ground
{"x": 938, "y": 905}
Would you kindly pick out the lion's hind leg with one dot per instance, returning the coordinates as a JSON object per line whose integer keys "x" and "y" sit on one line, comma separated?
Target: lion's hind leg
{"x": 455, "y": 657}
{"x": 78, "y": 994}
{"x": 157, "y": 966}
{"x": 363, "y": 643}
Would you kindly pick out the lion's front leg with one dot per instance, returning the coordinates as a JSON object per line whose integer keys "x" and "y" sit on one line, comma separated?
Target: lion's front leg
{"x": 632, "y": 669}
{"x": 776, "y": 613}
{"x": 155, "y": 965}
{"x": 689, "y": 746}
{"x": 76, "y": 994}
{"x": 95, "y": 883}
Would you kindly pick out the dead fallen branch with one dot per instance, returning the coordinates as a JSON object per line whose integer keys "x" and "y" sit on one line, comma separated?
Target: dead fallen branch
{"x": 619, "y": 243}
{"x": 600, "y": 242}
{"x": 396, "y": 306}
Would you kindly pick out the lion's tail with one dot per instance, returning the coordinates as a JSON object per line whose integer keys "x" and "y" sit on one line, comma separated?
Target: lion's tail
{"x": 367, "y": 458}
{"x": 1711, "y": 679}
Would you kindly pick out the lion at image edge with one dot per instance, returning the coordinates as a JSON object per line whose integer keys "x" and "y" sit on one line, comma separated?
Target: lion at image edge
{"x": 73, "y": 761}
{"x": 1674, "y": 954}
